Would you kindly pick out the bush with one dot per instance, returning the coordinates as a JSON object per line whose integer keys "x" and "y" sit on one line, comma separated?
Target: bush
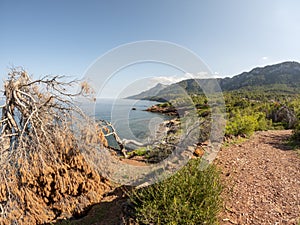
{"x": 263, "y": 122}
{"x": 295, "y": 139}
{"x": 247, "y": 124}
{"x": 189, "y": 197}
{"x": 139, "y": 152}
{"x": 164, "y": 105}
{"x": 241, "y": 125}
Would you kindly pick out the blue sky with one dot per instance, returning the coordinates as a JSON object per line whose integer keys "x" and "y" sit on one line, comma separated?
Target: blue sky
{"x": 65, "y": 37}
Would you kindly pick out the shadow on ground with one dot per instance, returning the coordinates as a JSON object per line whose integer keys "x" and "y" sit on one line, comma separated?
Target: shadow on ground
{"x": 281, "y": 142}
{"x": 114, "y": 209}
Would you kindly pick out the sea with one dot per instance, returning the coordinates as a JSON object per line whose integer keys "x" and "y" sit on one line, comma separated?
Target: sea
{"x": 129, "y": 117}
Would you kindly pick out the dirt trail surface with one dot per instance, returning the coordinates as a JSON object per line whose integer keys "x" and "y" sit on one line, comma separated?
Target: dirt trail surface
{"x": 262, "y": 178}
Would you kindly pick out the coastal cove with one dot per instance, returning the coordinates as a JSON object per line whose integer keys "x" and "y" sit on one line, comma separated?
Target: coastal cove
{"x": 129, "y": 117}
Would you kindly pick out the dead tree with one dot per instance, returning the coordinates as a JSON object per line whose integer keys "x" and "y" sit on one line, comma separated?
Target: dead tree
{"x": 33, "y": 109}
{"x": 39, "y": 150}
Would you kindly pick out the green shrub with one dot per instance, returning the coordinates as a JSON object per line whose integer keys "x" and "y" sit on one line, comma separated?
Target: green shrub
{"x": 247, "y": 124}
{"x": 165, "y": 104}
{"x": 241, "y": 125}
{"x": 263, "y": 122}
{"x": 189, "y": 197}
{"x": 295, "y": 139}
{"x": 141, "y": 151}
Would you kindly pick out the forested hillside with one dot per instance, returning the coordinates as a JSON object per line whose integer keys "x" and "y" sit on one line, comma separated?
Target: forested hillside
{"x": 283, "y": 77}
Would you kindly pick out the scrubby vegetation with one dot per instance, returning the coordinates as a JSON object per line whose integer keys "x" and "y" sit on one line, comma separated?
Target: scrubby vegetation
{"x": 247, "y": 111}
{"x": 296, "y": 135}
{"x": 253, "y": 102}
{"x": 261, "y": 99}
{"x": 295, "y": 140}
{"x": 189, "y": 197}
{"x": 250, "y": 111}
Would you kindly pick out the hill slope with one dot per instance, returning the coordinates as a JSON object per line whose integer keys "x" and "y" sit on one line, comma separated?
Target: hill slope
{"x": 279, "y": 77}
{"x": 287, "y": 73}
{"x": 151, "y": 92}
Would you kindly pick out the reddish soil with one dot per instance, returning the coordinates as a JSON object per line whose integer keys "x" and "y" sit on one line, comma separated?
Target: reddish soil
{"x": 262, "y": 178}
{"x": 135, "y": 161}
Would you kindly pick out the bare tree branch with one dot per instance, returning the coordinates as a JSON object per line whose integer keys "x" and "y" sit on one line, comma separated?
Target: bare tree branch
{"x": 33, "y": 106}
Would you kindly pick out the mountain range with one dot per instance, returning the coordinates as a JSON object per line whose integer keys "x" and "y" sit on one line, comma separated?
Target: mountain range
{"x": 279, "y": 77}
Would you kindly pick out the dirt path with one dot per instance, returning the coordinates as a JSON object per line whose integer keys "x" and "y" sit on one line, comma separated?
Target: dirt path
{"x": 262, "y": 185}
{"x": 263, "y": 181}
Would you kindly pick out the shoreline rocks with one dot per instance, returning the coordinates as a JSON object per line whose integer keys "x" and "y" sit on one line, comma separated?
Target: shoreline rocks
{"x": 168, "y": 110}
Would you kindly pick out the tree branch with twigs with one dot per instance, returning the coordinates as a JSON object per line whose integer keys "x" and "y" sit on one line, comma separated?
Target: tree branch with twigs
{"x": 40, "y": 149}
{"x": 35, "y": 107}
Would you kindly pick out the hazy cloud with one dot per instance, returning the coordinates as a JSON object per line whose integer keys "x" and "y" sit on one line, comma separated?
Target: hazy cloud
{"x": 174, "y": 79}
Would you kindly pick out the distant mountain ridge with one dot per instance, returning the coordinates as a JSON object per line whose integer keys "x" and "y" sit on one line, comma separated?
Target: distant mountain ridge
{"x": 149, "y": 93}
{"x": 284, "y": 75}
{"x": 287, "y": 73}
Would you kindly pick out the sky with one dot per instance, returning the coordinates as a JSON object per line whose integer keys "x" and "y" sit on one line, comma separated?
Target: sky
{"x": 66, "y": 37}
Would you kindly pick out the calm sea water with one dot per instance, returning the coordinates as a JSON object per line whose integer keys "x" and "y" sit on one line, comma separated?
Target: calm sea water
{"x": 135, "y": 124}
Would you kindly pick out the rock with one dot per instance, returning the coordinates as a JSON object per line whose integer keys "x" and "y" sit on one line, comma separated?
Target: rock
{"x": 285, "y": 115}
{"x": 199, "y": 152}
{"x": 169, "y": 110}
